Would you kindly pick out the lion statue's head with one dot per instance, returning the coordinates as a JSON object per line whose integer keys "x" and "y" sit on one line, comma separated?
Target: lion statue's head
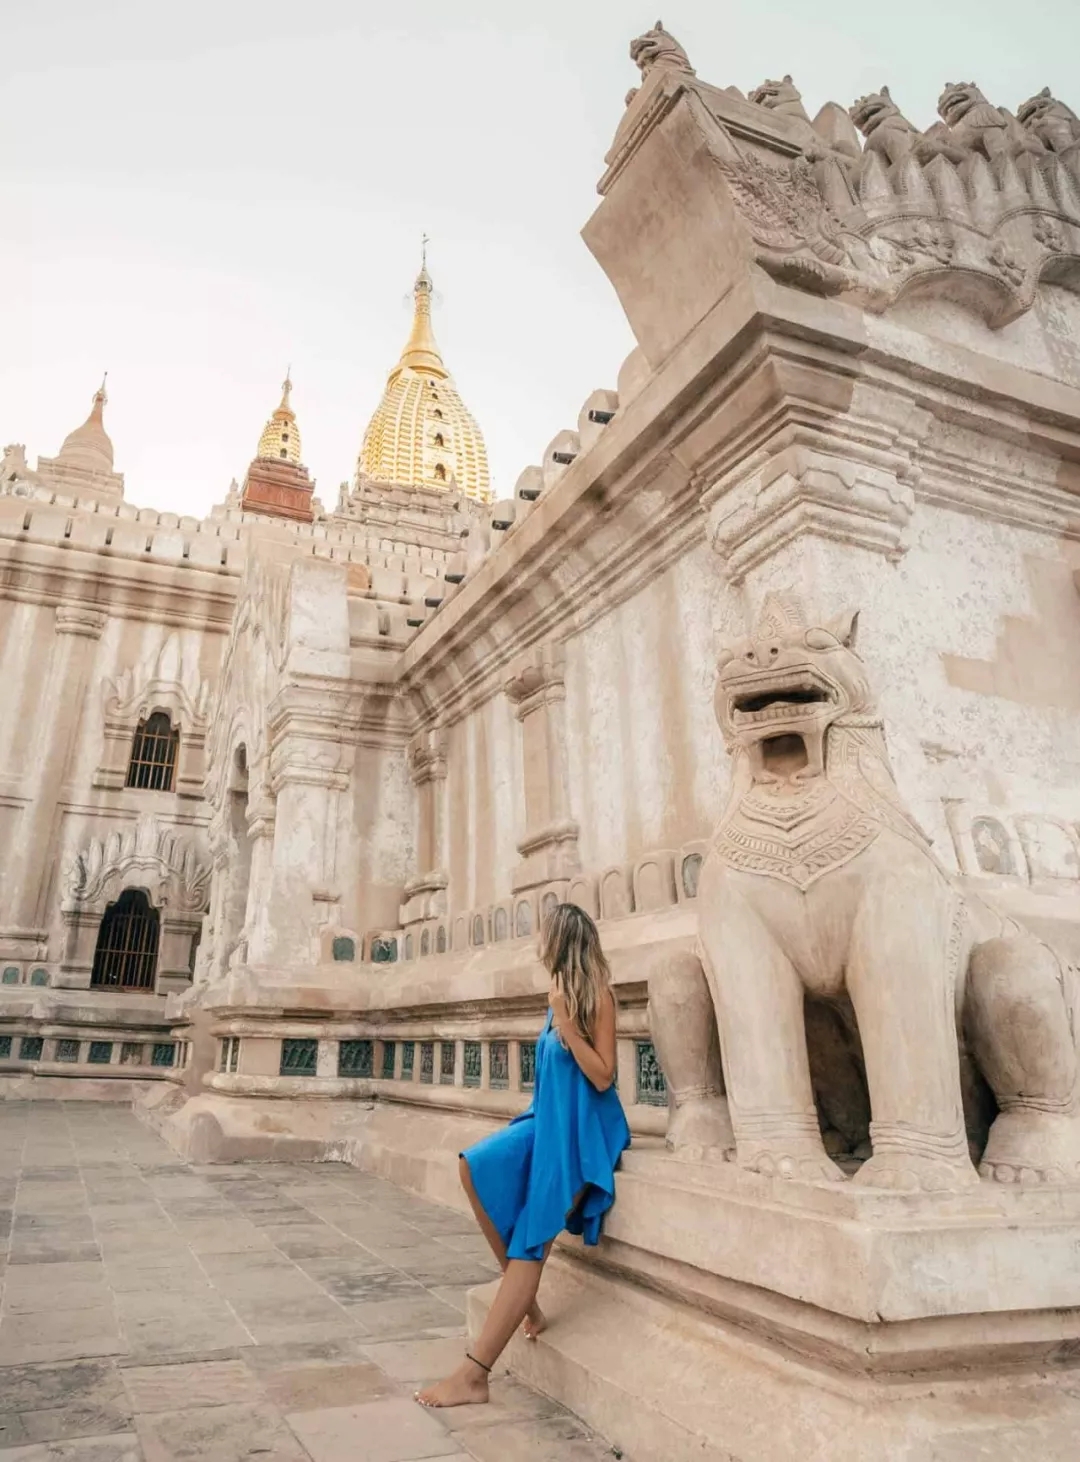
{"x": 787, "y": 683}
{"x": 962, "y": 101}
{"x": 781, "y": 96}
{"x": 1051, "y": 121}
{"x": 876, "y": 110}
{"x": 658, "y": 47}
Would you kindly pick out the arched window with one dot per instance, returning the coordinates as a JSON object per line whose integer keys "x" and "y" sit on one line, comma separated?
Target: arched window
{"x": 440, "y": 441}
{"x": 153, "y": 754}
{"x": 437, "y": 413}
{"x": 440, "y": 472}
{"x": 127, "y": 945}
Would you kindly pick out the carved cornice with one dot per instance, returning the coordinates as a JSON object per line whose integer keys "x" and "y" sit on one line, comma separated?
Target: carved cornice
{"x": 427, "y": 756}
{"x": 537, "y": 678}
{"x": 76, "y": 619}
{"x": 813, "y": 494}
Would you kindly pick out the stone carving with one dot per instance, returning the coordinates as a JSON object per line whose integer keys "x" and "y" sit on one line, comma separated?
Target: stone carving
{"x": 658, "y": 47}
{"x": 1055, "y": 125}
{"x": 974, "y": 126}
{"x": 820, "y": 886}
{"x": 147, "y": 847}
{"x": 783, "y": 206}
{"x": 889, "y": 133}
{"x": 168, "y": 674}
{"x": 782, "y": 97}
{"x": 15, "y": 475}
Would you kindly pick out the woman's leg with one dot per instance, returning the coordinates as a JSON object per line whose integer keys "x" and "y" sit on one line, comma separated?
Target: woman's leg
{"x": 468, "y": 1385}
{"x": 534, "y": 1319}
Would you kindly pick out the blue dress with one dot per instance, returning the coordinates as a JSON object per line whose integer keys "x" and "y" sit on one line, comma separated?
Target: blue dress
{"x": 553, "y": 1167}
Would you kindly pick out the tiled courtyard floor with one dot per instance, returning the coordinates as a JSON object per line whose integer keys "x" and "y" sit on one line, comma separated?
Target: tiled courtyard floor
{"x": 156, "y": 1310}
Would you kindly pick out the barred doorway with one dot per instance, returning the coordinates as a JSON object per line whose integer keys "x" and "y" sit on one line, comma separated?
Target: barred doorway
{"x": 127, "y": 945}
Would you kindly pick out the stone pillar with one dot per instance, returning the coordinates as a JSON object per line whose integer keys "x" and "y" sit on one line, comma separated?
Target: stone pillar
{"x": 33, "y": 851}
{"x": 425, "y": 895}
{"x": 536, "y": 687}
{"x": 303, "y": 863}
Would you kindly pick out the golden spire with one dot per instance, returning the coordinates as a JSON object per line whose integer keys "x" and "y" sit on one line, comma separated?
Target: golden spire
{"x": 422, "y": 434}
{"x": 421, "y": 353}
{"x": 280, "y": 440}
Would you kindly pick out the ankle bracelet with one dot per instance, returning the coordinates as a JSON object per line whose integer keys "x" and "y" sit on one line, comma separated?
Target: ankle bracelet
{"x": 479, "y": 1363}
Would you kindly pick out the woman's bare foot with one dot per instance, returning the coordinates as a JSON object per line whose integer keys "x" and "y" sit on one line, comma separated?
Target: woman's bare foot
{"x": 535, "y": 1322}
{"x": 467, "y": 1386}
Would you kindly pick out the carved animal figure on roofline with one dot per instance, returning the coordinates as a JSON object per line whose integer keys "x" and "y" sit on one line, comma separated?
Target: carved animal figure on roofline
{"x": 888, "y": 131}
{"x": 1055, "y": 125}
{"x": 658, "y": 47}
{"x": 819, "y": 890}
{"x": 977, "y": 127}
{"x": 782, "y": 97}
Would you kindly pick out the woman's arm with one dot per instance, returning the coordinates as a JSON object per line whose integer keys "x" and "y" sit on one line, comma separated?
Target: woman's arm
{"x": 597, "y": 1061}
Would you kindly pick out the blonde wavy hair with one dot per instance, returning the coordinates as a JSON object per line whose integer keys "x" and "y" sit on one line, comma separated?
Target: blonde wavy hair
{"x": 570, "y": 952}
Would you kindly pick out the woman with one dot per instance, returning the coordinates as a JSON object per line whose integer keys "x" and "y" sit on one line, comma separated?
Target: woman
{"x": 552, "y": 1167}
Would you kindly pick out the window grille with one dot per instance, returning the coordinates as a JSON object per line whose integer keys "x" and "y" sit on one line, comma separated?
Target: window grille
{"x": 67, "y": 1050}
{"x": 473, "y": 1063}
{"x": 299, "y": 1057}
{"x": 100, "y": 1053}
{"x": 527, "y": 1051}
{"x": 447, "y": 1062}
{"x": 164, "y": 1053}
{"x": 127, "y": 945}
{"x": 153, "y": 754}
{"x": 356, "y": 1058}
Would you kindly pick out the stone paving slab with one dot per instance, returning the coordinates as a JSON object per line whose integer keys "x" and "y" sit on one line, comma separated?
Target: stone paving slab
{"x": 157, "y": 1311}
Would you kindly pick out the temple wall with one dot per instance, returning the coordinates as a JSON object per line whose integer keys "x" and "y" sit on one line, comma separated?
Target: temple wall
{"x": 484, "y": 797}
{"x": 647, "y": 767}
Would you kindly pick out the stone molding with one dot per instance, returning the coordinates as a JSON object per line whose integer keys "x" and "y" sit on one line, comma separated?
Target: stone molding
{"x": 536, "y": 679}
{"x": 427, "y": 753}
{"x": 76, "y": 619}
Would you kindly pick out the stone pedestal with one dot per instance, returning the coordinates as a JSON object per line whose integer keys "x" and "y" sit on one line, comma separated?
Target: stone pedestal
{"x": 727, "y": 1315}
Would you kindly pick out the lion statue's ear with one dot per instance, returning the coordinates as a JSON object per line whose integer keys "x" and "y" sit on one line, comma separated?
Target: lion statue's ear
{"x": 845, "y": 627}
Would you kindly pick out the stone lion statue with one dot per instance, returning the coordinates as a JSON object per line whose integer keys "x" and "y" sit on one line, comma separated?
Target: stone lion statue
{"x": 822, "y": 908}
{"x": 658, "y": 47}
{"x": 888, "y": 132}
{"x": 1055, "y": 125}
{"x": 975, "y": 126}
{"x": 782, "y": 97}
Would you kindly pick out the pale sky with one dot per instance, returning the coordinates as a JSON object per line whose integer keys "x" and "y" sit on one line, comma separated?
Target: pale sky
{"x": 195, "y": 197}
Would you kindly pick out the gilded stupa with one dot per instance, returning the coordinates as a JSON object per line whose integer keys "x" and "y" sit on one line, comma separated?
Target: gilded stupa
{"x": 280, "y": 440}
{"x": 277, "y": 483}
{"x": 422, "y": 434}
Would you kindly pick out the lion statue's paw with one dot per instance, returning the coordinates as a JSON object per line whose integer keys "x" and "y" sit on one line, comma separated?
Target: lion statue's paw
{"x": 1032, "y": 1147}
{"x": 701, "y": 1127}
{"x": 911, "y": 1173}
{"x": 802, "y": 1167}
